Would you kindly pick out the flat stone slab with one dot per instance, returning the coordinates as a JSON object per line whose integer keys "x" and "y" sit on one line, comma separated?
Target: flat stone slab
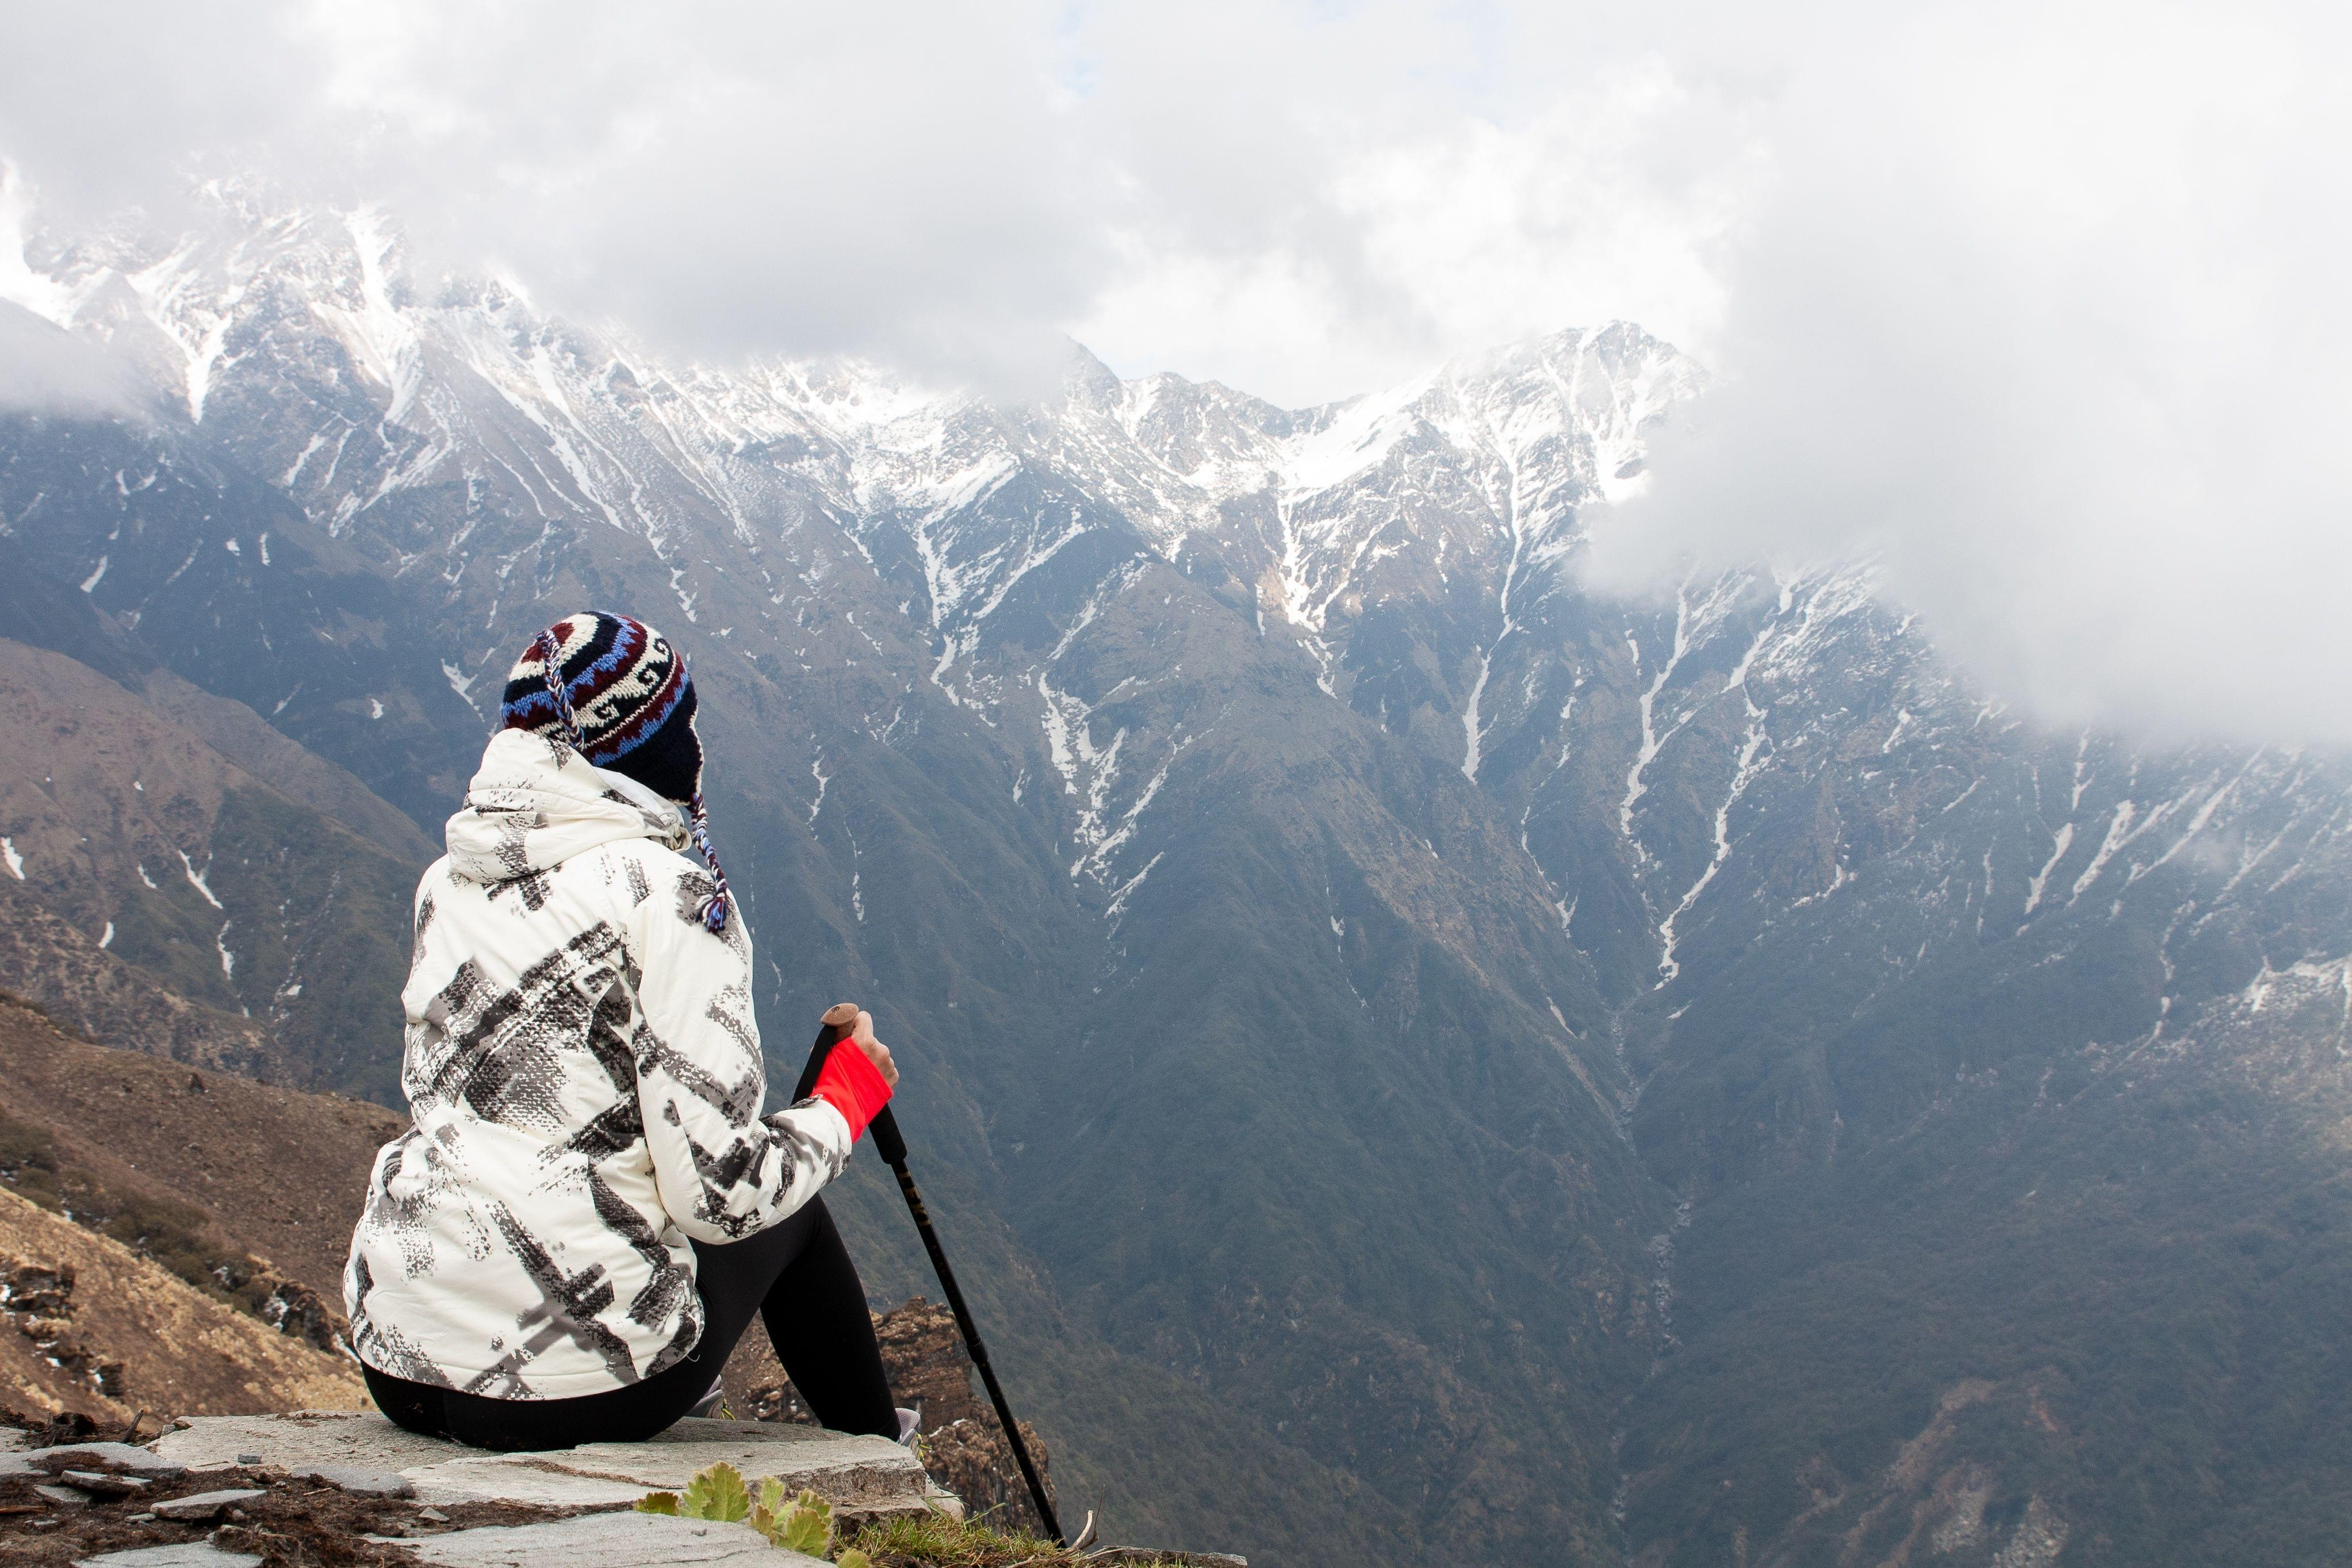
{"x": 184, "y": 1554}
{"x": 606, "y": 1540}
{"x": 863, "y": 1478}
{"x": 109, "y": 1456}
{"x": 198, "y": 1507}
{"x": 357, "y": 1481}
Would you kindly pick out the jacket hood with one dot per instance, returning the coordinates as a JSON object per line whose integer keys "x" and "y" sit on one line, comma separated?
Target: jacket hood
{"x": 536, "y": 802}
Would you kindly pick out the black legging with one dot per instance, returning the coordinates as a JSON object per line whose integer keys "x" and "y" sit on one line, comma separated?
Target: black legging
{"x": 795, "y": 1274}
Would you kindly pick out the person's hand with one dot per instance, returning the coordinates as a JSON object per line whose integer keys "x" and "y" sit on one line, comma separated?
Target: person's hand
{"x": 862, "y": 1036}
{"x": 875, "y": 1051}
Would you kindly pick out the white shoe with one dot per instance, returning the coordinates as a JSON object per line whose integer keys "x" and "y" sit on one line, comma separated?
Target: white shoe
{"x": 710, "y": 1401}
{"x": 910, "y": 1421}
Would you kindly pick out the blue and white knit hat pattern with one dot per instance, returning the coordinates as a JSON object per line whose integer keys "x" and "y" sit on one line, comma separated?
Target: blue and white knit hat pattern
{"x": 616, "y": 692}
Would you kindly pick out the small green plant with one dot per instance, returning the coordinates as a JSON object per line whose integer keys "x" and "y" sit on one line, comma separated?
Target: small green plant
{"x": 716, "y": 1492}
{"x": 802, "y": 1524}
{"x": 805, "y": 1526}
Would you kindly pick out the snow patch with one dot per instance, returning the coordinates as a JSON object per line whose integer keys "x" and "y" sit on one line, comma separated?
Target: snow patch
{"x": 1470, "y": 716}
{"x": 2040, "y": 881}
{"x": 2118, "y": 834}
{"x": 1751, "y": 763}
{"x": 1358, "y": 437}
{"x": 380, "y": 337}
{"x": 1118, "y": 906}
{"x": 196, "y": 879}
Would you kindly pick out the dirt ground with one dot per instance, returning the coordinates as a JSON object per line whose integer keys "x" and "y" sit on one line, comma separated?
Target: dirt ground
{"x": 293, "y": 1521}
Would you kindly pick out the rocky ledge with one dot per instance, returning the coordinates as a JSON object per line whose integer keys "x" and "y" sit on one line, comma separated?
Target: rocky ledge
{"x": 230, "y": 1489}
{"x": 864, "y": 1478}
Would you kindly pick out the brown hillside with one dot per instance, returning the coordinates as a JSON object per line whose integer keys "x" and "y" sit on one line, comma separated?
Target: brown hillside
{"x": 281, "y": 1173}
{"x": 90, "y": 1326}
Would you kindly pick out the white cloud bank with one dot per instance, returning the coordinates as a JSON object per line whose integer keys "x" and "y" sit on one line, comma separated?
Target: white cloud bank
{"x": 2049, "y": 311}
{"x": 2041, "y": 304}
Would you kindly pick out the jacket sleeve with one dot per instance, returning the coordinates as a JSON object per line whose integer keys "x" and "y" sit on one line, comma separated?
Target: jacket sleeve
{"x": 724, "y": 1172}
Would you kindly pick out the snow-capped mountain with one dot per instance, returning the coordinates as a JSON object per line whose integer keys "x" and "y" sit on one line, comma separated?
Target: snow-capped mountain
{"x": 1336, "y": 943}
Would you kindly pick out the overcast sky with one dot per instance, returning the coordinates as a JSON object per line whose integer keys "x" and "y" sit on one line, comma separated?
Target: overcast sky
{"x": 2043, "y": 305}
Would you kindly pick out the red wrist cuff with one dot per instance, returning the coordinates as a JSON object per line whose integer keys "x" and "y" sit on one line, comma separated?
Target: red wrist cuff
{"x": 853, "y": 1086}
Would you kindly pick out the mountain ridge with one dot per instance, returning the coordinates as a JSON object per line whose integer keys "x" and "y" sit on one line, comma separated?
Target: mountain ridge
{"x": 1328, "y": 936}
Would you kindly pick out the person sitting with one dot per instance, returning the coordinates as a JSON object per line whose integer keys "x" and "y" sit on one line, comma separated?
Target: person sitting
{"x": 589, "y": 1207}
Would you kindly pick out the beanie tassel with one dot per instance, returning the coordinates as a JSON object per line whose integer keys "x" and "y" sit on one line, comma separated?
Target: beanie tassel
{"x": 551, "y": 669}
{"x": 714, "y": 908}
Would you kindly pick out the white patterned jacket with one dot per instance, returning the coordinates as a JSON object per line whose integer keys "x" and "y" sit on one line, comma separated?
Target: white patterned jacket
{"x": 584, "y": 1076}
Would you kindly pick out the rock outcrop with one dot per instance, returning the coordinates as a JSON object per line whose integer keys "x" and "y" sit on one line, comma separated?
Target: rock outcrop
{"x": 962, "y": 1444}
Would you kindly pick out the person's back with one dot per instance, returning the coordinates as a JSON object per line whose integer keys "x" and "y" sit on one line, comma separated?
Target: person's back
{"x": 586, "y": 1078}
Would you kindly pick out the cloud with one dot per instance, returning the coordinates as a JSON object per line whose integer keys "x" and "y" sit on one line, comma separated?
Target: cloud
{"x": 1442, "y": 231}
{"x": 46, "y": 368}
{"x": 42, "y": 368}
{"x": 2038, "y": 305}
{"x": 1300, "y": 199}
{"x": 728, "y": 178}
{"x": 2046, "y": 313}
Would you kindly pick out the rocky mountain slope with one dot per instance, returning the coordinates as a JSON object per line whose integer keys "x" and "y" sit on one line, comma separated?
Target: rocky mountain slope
{"x": 95, "y": 1329}
{"x": 162, "y": 896}
{"x": 1385, "y": 1004}
{"x": 169, "y": 1240}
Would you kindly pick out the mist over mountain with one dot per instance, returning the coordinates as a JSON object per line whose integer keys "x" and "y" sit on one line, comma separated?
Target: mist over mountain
{"x": 1435, "y": 1062}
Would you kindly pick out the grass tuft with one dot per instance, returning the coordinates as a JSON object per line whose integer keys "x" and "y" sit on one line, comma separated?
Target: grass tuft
{"x": 939, "y": 1541}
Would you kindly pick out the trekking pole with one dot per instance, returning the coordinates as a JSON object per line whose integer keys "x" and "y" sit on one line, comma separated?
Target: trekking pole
{"x": 893, "y": 1150}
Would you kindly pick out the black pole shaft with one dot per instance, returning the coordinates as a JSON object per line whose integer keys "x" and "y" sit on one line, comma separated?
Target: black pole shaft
{"x": 893, "y": 1149}
{"x": 970, "y": 1332}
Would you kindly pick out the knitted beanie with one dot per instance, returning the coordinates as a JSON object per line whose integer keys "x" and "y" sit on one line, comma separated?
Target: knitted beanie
{"x": 616, "y": 691}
